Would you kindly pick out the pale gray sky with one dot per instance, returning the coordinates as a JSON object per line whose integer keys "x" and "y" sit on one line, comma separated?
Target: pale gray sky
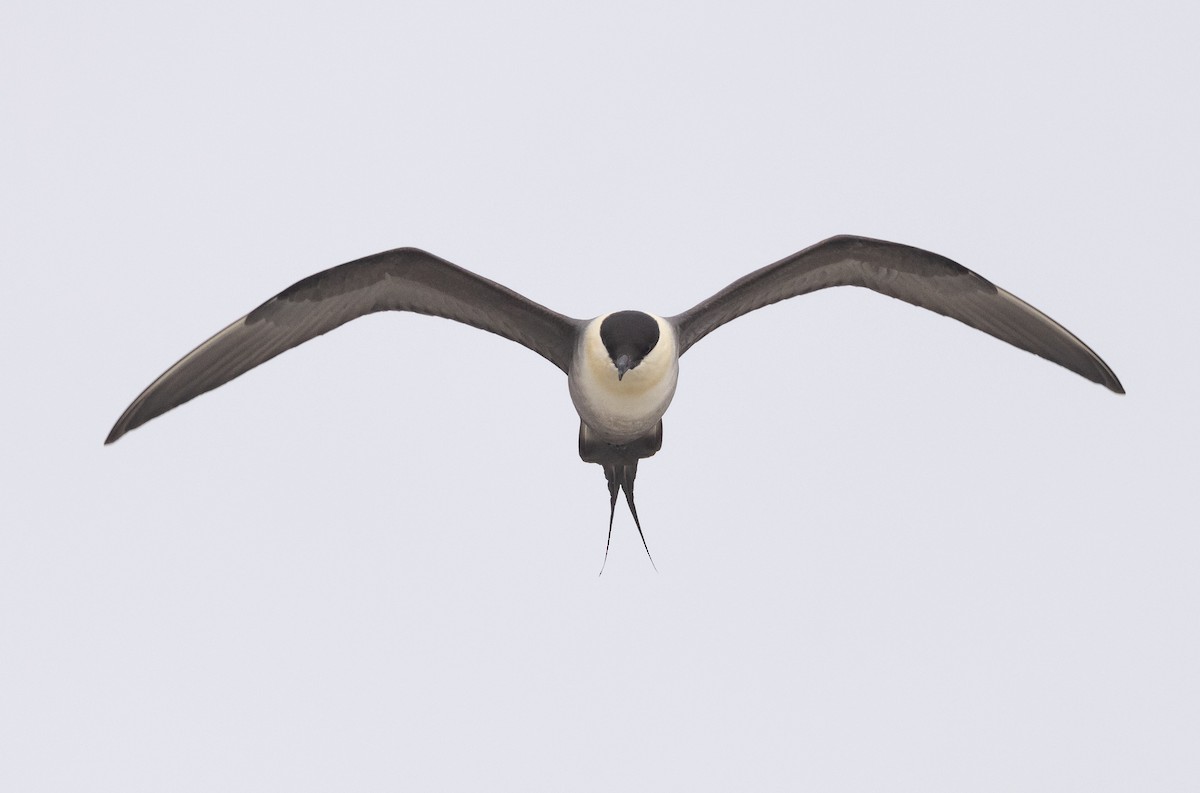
{"x": 895, "y": 553}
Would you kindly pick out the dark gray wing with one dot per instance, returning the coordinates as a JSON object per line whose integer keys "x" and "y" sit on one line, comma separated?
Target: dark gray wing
{"x": 405, "y": 279}
{"x": 910, "y": 274}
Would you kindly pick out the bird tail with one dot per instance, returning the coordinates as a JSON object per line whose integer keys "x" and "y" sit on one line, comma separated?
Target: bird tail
{"x": 620, "y": 462}
{"x": 620, "y": 479}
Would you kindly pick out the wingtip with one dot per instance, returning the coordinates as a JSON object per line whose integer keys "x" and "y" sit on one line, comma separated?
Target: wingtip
{"x": 118, "y": 430}
{"x": 1108, "y": 379}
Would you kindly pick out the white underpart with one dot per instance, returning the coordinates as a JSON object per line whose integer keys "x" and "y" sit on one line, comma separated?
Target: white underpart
{"x": 621, "y": 410}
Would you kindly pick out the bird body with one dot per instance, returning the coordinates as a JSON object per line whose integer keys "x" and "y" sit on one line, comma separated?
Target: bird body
{"x": 620, "y": 407}
{"x": 622, "y": 368}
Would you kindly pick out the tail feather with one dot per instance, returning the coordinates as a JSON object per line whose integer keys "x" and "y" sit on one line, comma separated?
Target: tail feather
{"x": 620, "y": 462}
{"x": 613, "y": 489}
{"x": 620, "y": 478}
{"x": 627, "y": 486}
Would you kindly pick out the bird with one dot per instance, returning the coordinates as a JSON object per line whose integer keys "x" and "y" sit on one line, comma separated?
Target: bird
{"x": 622, "y": 367}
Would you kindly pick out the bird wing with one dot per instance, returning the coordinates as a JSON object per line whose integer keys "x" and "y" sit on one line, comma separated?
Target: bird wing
{"x": 405, "y": 279}
{"x": 910, "y": 274}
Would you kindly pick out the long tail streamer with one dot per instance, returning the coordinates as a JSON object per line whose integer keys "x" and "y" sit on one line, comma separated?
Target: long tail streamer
{"x": 620, "y": 478}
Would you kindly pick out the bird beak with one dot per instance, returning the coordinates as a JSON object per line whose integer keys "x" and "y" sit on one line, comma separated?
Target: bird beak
{"x": 623, "y": 366}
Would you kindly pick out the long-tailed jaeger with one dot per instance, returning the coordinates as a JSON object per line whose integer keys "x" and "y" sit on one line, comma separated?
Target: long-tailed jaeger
{"x": 621, "y": 367}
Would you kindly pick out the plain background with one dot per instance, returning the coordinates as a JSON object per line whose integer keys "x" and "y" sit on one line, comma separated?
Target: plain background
{"x": 895, "y": 554}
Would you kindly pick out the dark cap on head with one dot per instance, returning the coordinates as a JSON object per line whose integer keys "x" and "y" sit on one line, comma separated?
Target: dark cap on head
{"x": 629, "y": 336}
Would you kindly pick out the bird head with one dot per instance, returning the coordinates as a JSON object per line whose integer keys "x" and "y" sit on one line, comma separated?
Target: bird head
{"x": 628, "y": 336}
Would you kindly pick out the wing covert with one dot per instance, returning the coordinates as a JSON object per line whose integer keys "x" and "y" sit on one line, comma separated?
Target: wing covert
{"x": 910, "y": 274}
{"x": 405, "y": 279}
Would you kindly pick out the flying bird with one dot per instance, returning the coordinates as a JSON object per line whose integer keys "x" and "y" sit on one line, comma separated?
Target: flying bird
{"x": 621, "y": 367}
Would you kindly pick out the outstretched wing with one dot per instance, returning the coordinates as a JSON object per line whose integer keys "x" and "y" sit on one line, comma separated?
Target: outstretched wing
{"x": 910, "y": 274}
{"x": 405, "y": 279}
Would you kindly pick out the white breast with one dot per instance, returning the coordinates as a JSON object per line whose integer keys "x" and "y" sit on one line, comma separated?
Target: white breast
{"x": 620, "y": 411}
